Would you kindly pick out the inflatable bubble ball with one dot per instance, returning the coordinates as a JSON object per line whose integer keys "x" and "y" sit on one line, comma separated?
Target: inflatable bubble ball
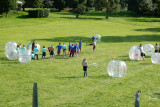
{"x": 38, "y": 46}
{"x": 148, "y": 49}
{"x": 25, "y": 56}
{"x": 117, "y": 68}
{"x": 10, "y": 44}
{"x": 98, "y": 37}
{"x": 29, "y": 47}
{"x": 134, "y": 53}
{"x": 155, "y": 58}
{"x": 11, "y": 53}
{"x": 10, "y": 50}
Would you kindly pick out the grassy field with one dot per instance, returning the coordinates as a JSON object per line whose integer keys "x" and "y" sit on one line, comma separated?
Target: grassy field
{"x": 60, "y": 81}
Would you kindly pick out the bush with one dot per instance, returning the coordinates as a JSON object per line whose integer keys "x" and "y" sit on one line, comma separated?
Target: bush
{"x": 38, "y": 13}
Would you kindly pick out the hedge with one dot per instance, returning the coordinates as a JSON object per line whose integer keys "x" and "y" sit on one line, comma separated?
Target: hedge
{"x": 38, "y": 13}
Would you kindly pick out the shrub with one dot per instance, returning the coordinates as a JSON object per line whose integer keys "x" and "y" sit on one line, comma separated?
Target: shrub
{"x": 38, "y": 13}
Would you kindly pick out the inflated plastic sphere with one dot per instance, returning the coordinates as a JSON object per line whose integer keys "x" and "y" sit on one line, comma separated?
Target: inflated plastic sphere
{"x": 134, "y": 53}
{"x": 117, "y": 68}
{"x": 10, "y": 45}
{"x": 155, "y": 58}
{"x": 29, "y": 47}
{"x": 10, "y": 50}
{"x": 25, "y": 56}
{"x": 98, "y": 37}
{"x": 11, "y": 53}
{"x": 148, "y": 49}
{"x": 38, "y": 46}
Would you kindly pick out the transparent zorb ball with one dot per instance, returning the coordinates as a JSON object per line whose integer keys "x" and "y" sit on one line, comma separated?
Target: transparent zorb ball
{"x": 117, "y": 68}
{"x": 10, "y": 50}
{"x": 155, "y": 58}
{"x": 25, "y": 56}
{"x": 98, "y": 37}
{"x": 38, "y": 46}
{"x": 134, "y": 53}
{"x": 29, "y": 47}
{"x": 148, "y": 49}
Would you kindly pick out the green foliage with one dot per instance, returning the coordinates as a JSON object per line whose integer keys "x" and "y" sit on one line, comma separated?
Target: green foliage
{"x": 7, "y": 5}
{"x": 34, "y": 3}
{"x": 48, "y": 3}
{"x": 89, "y": 3}
{"x": 38, "y": 13}
{"x": 100, "y": 4}
{"x": 59, "y": 4}
{"x": 113, "y": 6}
{"x": 123, "y": 4}
{"x": 80, "y": 9}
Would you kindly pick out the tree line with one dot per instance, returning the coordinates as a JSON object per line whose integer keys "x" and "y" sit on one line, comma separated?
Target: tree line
{"x": 140, "y": 7}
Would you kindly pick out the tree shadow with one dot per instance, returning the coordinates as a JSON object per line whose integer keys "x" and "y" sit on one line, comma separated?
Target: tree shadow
{"x": 149, "y": 29}
{"x": 72, "y": 77}
{"x": 99, "y": 77}
{"x": 82, "y": 18}
{"x": 146, "y": 20}
{"x": 157, "y": 94}
{"x": 23, "y": 17}
{"x": 105, "y": 39}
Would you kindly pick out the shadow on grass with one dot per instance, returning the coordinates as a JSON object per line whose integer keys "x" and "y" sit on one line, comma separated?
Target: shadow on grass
{"x": 157, "y": 94}
{"x": 72, "y": 77}
{"x": 5, "y": 60}
{"x": 106, "y": 39}
{"x": 82, "y": 18}
{"x": 23, "y": 17}
{"x": 99, "y": 77}
{"x": 146, "y": 20}
{"x": 149, "y": 30}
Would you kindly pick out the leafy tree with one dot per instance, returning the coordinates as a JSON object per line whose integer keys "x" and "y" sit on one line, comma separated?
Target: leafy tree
{"x": 123, "y": 4}
{"x": 143, "y": 6}
{"x": 80, "y": 9}
{"x": 7, "y": 5}
{"x": 156, "y": 7}
{"x": 113, "y": 6}
{"x": 99, "y": 4}
{"x": 59, "y": 4}
{"x": 89, "y": 3}
{"x": 47, "y": 3}
{"x": 34, "y": 3}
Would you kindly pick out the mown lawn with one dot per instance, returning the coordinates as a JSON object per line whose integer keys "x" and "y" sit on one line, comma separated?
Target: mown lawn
{"x": 60, "y": 81}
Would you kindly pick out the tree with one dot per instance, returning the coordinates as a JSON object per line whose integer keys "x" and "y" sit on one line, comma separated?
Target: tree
{"x": 7, "y": 5}
{"x": 89, "y": 3}
{"x": 143, "y": 6}
{"x": 99, "y": 4}
{"x": 47, "y": 3}
{"x": 80, "y": 9}
{"x": 123, "y": 4}
{"x": 59, "y": 4}
{"x": 34, "y": 3}
{"x": 113, "y": 6}
{"x": 156, "y": 5}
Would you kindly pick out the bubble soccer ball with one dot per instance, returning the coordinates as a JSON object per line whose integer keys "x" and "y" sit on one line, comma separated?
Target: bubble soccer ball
{"x": 29, "y": 47}
{"x": 38, "y": 46}
{"x": 148, "y": 49}
{"x": 134, "y": 53}
{"x": 155, "y": 58}
{"x": 10, "y": 50}
{"x": 25, "y": 56}
{"x": 98, "y": 37}
{"x": 117, "y": 68}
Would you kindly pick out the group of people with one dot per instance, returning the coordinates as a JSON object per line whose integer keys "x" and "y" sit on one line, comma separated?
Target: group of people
{"x": 156, "y": 47}
{"x": 73, "y": 49}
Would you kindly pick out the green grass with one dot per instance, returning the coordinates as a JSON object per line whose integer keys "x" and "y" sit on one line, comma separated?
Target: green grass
{"x": 60, "y": 81}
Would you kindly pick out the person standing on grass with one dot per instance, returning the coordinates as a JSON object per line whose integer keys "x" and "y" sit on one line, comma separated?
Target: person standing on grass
{"x": 80, "y": 45}
{"x": 93, "y": 38}
{"x": 75, "y": 42}
{"x": 43, "y": 52}
{"x": 23, "y": 48}
{"x": 64, "y": 49}
{"x": 156, "y": 48}
{"x": 29, "y": 45}
{"x": 20, "y": 46}
{"x": 142, "y": 52}
{"x": 33, "y": 44}
{"x": 75, "y": 50}
{"x": 69, "y": 48}
{"x": 72, "y": 51}
{"x": 59, "y": 49}
{"x": 85, "y": 65}
{"x": 137, "y": 100}
{"x": 35, "y": 52}
{"x": 51, "y": 51}
{"x": 18, "y": 49}
{"x": 94, "y": 46}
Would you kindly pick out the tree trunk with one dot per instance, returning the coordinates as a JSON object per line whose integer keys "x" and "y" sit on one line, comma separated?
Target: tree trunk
{"x": 77, "y": 15}
{"x": 106, "y": 13}
{"x": 23, "y": 8}
{"x": 7, "y": 14}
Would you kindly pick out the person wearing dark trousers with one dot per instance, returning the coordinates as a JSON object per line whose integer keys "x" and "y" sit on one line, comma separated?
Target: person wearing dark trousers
{"x": 85, "y": 66}
{"x": 43, "y": 52}
{"x": 137, "y": 100}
